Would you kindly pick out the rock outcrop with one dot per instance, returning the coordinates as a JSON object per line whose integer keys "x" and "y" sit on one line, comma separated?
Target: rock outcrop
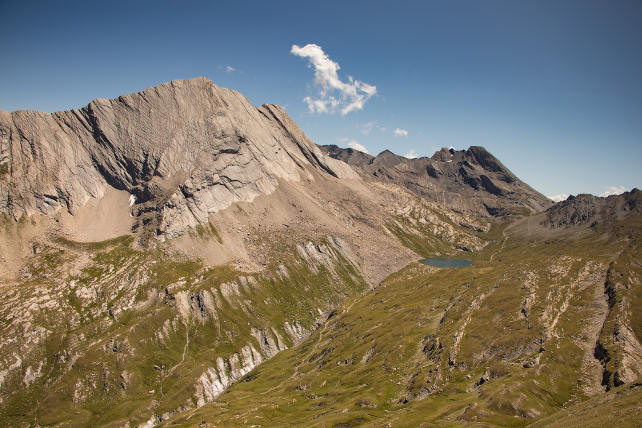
{"x": 470, "y": 180}
{"x": 593, "y": 211}
{"x": 183, "y": 149}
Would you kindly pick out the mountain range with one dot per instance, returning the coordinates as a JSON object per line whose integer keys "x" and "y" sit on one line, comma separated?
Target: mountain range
{"x": 180, "y": 257}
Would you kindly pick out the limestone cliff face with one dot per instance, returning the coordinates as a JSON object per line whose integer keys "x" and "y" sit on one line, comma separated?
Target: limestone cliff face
{"x": 183, "y": 149}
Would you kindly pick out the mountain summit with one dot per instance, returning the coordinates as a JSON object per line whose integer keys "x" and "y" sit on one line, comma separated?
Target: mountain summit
{"x": 182, "y": 149}
{"x": 472, "y": 180}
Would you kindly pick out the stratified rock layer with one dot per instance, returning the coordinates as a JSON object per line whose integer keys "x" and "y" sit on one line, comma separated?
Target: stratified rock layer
{"x": 184, "y": 149}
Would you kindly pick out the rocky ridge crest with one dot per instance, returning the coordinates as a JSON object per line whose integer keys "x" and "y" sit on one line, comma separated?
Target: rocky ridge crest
{"x": 470, "y": 180}
{"x": 182, "y": 149}
{"x": 589, "y": 210}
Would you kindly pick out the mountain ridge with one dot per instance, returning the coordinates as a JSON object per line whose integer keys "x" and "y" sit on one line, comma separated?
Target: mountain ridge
{"x": 166, "y": 246}
{"x": 182, "y": 145}
{"x": 472, "y": 180}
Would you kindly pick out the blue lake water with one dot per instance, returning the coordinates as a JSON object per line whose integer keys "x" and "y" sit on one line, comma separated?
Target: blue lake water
{"x": 443, "y": 262}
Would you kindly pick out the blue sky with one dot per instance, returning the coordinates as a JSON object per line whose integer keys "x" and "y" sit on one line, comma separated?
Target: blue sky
{"x": 552, "y": 88}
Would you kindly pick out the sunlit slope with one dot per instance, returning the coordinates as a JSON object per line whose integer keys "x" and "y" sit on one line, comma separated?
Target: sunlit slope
{"x": 106, "y": 334}
{"x": 513, "y": 338}
{"x": 101, "y": 333}
{"x": 622, "y": 405}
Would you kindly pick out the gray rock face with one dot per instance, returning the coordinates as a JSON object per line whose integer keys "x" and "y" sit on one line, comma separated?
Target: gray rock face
{"x": 470, "y": 180}
{"x": 593, "y": 211}
{"x": 183, "y": 149}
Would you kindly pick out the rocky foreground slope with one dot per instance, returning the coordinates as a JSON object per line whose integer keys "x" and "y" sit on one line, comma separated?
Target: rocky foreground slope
{"x": 179, "y": 256}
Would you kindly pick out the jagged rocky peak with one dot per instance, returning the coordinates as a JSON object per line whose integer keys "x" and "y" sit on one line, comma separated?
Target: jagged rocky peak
{"x": 474, "y": 167}
{"x": 349, "y": 155}
{"x": 593, "y": 211}
{"x": 470, "y": 180}
{"x": 183, "y": 149}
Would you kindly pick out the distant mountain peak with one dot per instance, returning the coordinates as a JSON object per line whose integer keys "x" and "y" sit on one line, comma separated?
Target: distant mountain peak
{"x": 471, "y": 179}
{"x": 593, "y": 211}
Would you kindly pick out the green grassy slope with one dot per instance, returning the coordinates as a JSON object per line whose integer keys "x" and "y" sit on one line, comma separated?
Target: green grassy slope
{"x": 622, "y": 405}
{"x": 109, "y": 335}
{"x": 504, "y": 342}
{"x": 104, "y": 334}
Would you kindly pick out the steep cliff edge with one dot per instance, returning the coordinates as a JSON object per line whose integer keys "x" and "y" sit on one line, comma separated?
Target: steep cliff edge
{"x": 183, "y": 149}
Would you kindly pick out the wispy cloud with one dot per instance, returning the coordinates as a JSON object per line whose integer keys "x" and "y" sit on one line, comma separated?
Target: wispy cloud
{"x": 367, "y": 128}
{"x": 411, "y": 154}
{"x": 398, "y": 132}
{"x": 229, "y": 69}
{"x": 608, "y": 191}
{"x": 333, "y": 93}
{"x": 613, "y": 190}
{"x": 558, "y": 198}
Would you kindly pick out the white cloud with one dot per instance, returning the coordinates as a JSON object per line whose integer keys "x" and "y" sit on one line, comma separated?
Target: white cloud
{"x": 229, "y": 69}
{"x": 411, "y": 154}
{"x": 558, "y": 198}
{"x": 353, "y": 144}
{"x": 333, "y": 93}
{"x": 398, "y": 132}
{"x": 367, "y": 128}
{"x": 613, "y": 190}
